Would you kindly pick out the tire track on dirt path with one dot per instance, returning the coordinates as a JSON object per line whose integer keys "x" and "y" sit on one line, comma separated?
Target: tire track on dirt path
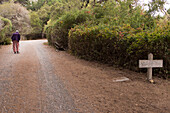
{"x": 58, "y": 100}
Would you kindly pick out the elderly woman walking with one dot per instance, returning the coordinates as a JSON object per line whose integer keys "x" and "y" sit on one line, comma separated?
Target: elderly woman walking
{"x": 15, "y": 39}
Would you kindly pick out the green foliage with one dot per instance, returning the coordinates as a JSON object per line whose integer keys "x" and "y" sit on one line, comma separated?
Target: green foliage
{"x": 114, "y": 32}
{"x": 168, "y": 11}
{"x": 44, "y": 13}
{"x": 23, "y": 2}
{"x": 121, "y": 13}
{"x": 61, "y": 19}
{"x": 7, "y": 41}
{"x": 58, "y": 9}
{"x": 18, "y": 15}
{"x": 36, "y": 5}
{"x": 120, "y": 45}
{"x": 37, "y": 26}
{"x": 38, "y": 20}
{"x": 59, "y": 30}
{"x": 5, "y": 31}
{"x": 155, "y": 6}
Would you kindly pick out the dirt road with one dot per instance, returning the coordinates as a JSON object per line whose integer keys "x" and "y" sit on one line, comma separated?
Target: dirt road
{"x": 28, "y": 83}
{"x": 42, "y": 80}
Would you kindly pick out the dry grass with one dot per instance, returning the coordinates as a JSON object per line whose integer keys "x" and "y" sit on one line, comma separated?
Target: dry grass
{"x": 45, "y": 43}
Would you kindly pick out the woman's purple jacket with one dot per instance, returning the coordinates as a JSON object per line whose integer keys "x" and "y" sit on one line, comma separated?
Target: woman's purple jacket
{"x": 15, "y": 36}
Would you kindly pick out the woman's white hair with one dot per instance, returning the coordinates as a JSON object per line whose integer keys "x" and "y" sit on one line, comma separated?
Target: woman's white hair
{"x": 17, "y": 31}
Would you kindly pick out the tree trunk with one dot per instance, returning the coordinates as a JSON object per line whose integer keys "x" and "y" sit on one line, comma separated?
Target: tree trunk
{"x": 94, "y": 2}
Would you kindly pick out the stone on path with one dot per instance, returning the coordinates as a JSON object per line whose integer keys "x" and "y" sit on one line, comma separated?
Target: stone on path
{"x": 121, "y": 79}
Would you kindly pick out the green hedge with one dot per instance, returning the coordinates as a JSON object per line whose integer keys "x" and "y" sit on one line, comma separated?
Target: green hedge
{"x": 122, "y": 46}
{"x": 5, "y": 32}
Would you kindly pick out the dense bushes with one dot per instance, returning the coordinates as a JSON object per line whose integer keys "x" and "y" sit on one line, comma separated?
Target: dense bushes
{"x": 110, "y": 13}
{"x": 114, "y": 32}
{"x": 119, "y": 45}
{"x": 5, "y": 31}
{"x": 59, "y": 31}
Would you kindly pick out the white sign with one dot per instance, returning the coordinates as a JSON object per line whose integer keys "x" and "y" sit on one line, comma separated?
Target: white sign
{"x": 150, "y": 63}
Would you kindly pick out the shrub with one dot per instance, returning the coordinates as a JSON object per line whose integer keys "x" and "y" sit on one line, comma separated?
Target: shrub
{"x": 95, "y": 42}
{"x": 7, "y": 41}
{"x": 33, "y": 36}
{"x": 58, "y": 32}
{"x": 5, "y": 31}
{"x": 122, "y": 46}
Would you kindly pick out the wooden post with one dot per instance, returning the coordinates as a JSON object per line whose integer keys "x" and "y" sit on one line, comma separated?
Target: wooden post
{"x": 149, "y": 70}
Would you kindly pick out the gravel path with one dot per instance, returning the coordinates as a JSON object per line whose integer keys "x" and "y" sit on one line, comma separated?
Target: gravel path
{"x": 28, "y": 83}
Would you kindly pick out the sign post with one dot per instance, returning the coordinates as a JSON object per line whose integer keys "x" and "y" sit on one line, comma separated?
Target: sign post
{"x": 149, "y": 73}
{"x": 149, "y": 64}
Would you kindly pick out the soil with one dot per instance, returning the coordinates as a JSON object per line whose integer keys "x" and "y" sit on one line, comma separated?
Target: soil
{"x": 43, "y": 80}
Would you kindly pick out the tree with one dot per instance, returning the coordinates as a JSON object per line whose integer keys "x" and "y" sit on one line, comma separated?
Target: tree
{"x": 168, "y": 11}
{"x": 36, "y": 22}
{"x": 36, "y": 5}
{"x": 156, "y": 6}
{"x": 23, "y": 2}
{"x": 17, "y": 14}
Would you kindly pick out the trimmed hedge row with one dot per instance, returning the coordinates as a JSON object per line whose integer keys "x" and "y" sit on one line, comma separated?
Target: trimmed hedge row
{"x": 123, "y": 46}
